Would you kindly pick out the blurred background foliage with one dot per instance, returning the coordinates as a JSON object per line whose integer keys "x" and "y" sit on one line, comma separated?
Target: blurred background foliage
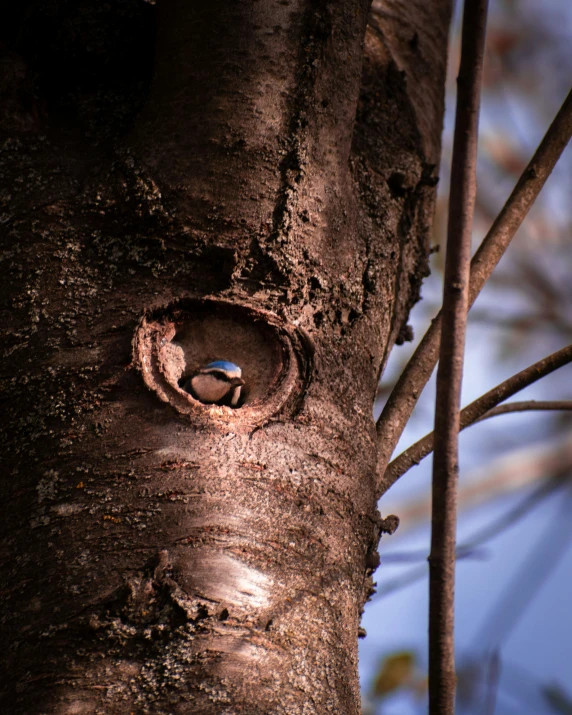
{"x": 514, "y": 575}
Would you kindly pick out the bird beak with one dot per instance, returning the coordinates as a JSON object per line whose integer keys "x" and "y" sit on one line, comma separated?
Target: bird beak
{"x": 236, "y": 382}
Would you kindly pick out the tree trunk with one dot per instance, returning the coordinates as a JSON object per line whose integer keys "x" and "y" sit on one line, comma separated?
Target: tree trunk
{"x": 161, "y": 555}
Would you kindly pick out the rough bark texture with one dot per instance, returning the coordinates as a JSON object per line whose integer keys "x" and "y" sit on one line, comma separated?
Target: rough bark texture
{"x": 160, "y": 555}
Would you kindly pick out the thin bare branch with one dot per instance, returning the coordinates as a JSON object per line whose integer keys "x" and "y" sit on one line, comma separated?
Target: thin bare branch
{"x": 528, "y": 406}
{"x": 492, "y": 683}
{"x": 405, "y": 394}
{"x": 485, "y": 406}
{"x": 542, "y": 560}
{"x": 518, "y": 469}
{"x": 442, "y": 675}
{"x": 470, "y": 549}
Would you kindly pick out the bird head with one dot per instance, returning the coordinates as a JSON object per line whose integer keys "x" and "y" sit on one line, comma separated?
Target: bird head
{"x": 220, "y": 382}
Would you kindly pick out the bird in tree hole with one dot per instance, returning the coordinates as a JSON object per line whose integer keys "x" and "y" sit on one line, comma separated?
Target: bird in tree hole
{"x": 218, "y": 383}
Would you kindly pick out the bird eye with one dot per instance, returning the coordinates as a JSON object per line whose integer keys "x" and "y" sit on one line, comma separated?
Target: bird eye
{"x": 221, "y": 375}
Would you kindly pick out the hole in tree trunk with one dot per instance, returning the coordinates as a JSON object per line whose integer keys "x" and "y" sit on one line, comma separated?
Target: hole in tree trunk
{"x": 174, "y": 343}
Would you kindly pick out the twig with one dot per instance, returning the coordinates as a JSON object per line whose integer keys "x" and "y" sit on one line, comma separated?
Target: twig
{"x": 483, "y": 408}
{"x": 513, "y": 515}
{"x": 542, "y": 560}
{"x": 403, "y": 557}
{"x": 492, "y": 683}
{"x": 417, "y": 372}
{"x": 442, "y": 675}
{"x": 400, "y": 582}
{"x": 526, "y": 406}
{"x": 469, "y": 548}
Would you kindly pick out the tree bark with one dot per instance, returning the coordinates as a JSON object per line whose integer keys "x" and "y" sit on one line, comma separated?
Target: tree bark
{"x": 271, "y": 205}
